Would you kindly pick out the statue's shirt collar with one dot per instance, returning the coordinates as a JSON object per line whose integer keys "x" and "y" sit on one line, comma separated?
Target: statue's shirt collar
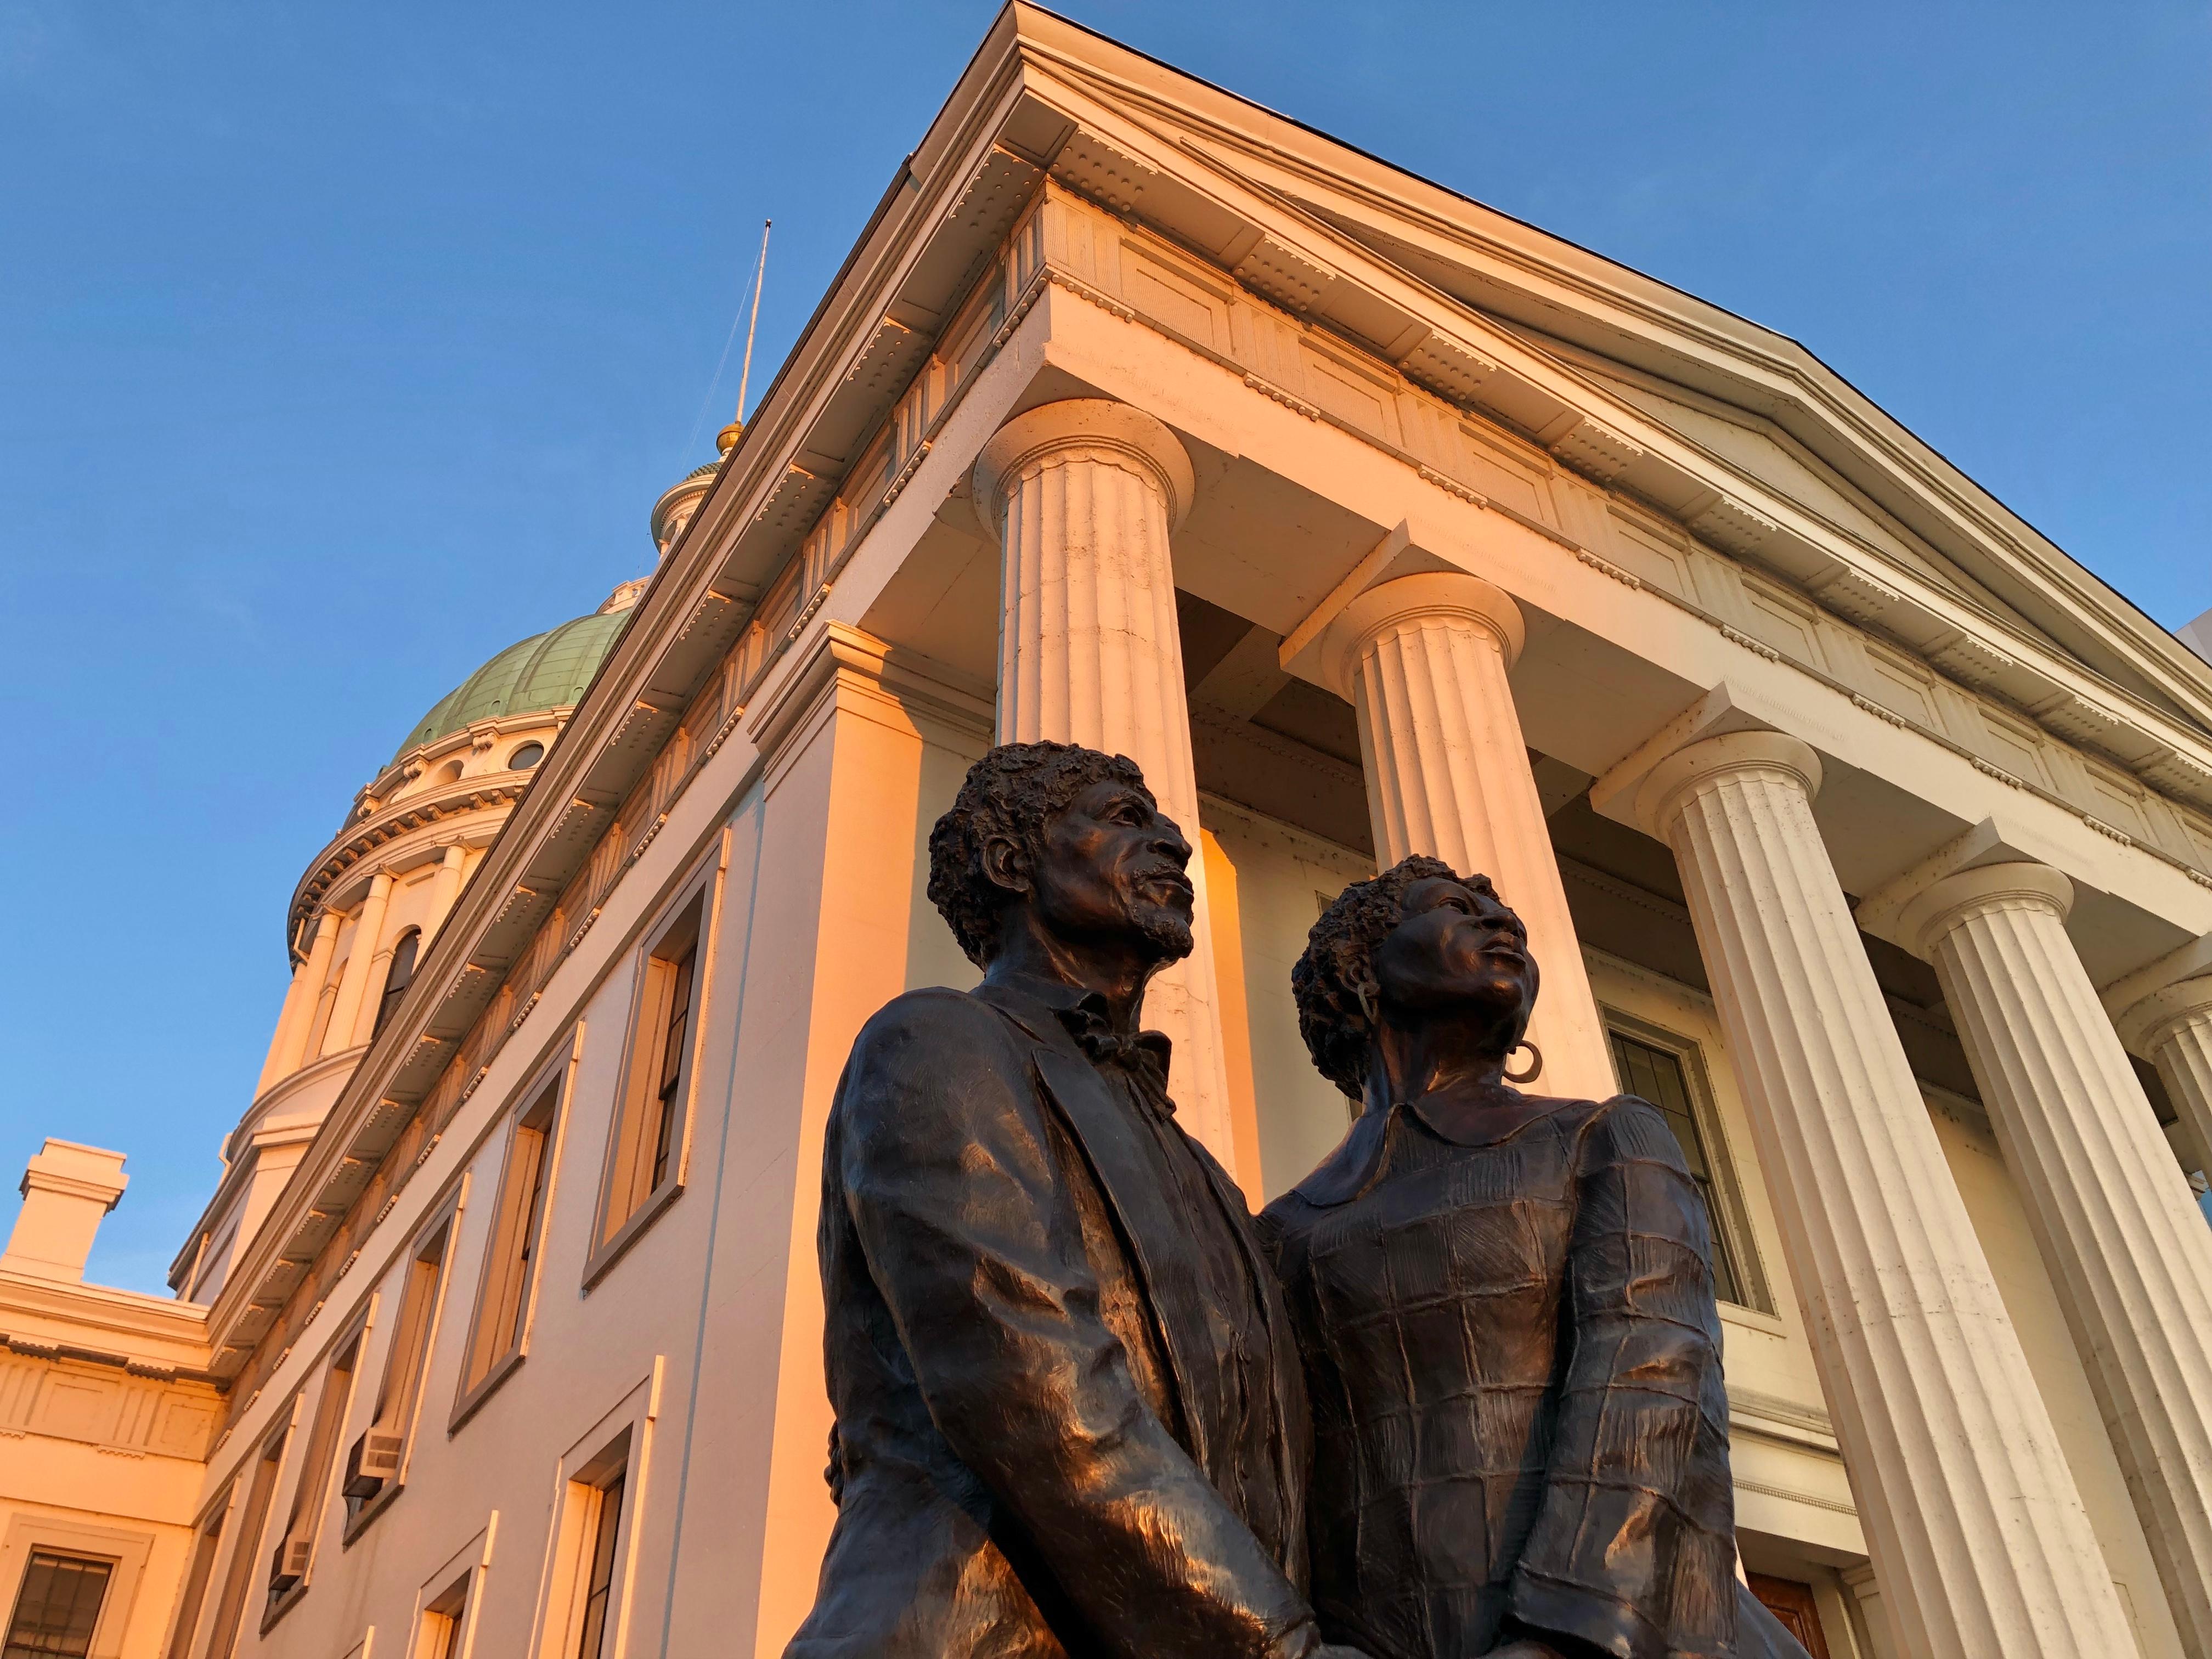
{"x": 1142, "y": 1056}
{"x": 1362, "y": 1157}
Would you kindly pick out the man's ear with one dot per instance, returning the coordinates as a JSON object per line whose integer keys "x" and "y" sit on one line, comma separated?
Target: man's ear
{"x": 1006, "y": 862}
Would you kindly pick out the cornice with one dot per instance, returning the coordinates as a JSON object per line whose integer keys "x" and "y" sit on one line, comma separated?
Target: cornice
{"x": 150, "y": 1336}
{"x": 495, "y": 792}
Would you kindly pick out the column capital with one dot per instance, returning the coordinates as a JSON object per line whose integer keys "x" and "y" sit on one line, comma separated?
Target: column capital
{"x": 1453, "y": 593}
{"x": 1725, "y": 730}
{"x": 2148, "y": 1022}
{"x": 1965, "y": 894}
{"x": 1116, "y": 433}
{"x": 1732, "y": 753}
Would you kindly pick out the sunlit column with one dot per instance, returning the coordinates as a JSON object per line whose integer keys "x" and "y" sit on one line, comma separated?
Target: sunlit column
{"x": 1977, "y": 1534}
{"x": 2174, "y": 1024}
{"x": 1424, "y": 659}
{"x": 287, "y": 1049}
{"x": 1084, "y": 494}
{"x": 445, "y": 889}
{"x": 353, "y": 986}
{"x": 2119, "y": 1233}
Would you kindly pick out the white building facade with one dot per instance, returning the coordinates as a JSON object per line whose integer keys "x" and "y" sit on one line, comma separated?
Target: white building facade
{"x": 1855, "y": 824}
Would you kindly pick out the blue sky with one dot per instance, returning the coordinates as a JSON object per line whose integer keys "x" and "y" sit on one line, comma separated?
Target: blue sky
{"x": 342, "y": 346}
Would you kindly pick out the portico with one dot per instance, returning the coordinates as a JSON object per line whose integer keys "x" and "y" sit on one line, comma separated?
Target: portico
{"x": 1516, "y": 638}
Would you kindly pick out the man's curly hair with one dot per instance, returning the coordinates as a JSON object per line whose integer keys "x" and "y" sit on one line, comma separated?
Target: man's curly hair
{"x": 1015, "y": 790}
{"x": 1340, "y": 957}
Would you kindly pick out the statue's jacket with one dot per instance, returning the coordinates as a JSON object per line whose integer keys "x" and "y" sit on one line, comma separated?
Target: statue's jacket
{"x": 1030, "y": 1456}
{"x": 1514, "y": 1362}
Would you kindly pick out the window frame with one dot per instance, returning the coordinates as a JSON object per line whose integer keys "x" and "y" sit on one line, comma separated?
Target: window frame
{"x": 1732, "y": 1222}
{"x": 255, "y": 1503}
{"x": 441, "y": 1229}
{"x": 549, "y": 1094}
{"x": 452, "y": 1597}
{"x": 322, "y": 1449}
{"x": 442, "y": 1623}
{"x": 619, "y": 1445}
{"x": 210, "y": 1528}
{"x": 128, "y": 1549}
{"x": 390, "y": 996}
{"x": 609, "y": 1475}
{"x": 686, "y": 925}
{"x": 108, "y": 1566}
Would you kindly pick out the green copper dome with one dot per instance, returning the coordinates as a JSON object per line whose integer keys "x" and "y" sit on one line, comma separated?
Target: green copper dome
{"x": 546, "y": 671}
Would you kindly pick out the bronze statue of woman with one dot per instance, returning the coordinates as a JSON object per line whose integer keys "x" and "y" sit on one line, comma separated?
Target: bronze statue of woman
{"x": 1504, "y": 1305}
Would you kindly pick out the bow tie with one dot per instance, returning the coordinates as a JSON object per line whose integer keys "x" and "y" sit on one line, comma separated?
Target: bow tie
{"x": 1142, "y": 1054}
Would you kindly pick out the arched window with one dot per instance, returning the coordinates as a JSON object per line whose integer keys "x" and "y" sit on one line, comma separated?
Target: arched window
{"x": 397, "y": 978}
{"x": 450, "y": 772}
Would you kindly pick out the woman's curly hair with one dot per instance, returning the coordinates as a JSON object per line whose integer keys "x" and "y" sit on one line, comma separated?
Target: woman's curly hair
{"x": 1340, "y": 957}
{"x": 1015, "y": 790}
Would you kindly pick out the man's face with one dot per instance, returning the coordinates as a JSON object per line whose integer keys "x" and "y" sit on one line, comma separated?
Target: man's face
{"x": 1111, "y": 871}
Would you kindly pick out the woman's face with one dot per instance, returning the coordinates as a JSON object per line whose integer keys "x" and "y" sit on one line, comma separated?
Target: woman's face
{"x": 1456, "y": 948}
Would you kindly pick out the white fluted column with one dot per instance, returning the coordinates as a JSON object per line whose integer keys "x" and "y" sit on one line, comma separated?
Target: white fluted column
{"x": 2173, "y": 1026}
{"x": 353, "y": 984}
{"x": 444, "y": 888}
{"x": 1084, "y": 493}
{"x": 1424, "y": 659}
{"x": 1977, "y": 1535}
{"x": 287, "y": 1049}
{"x": 2119, "y": 1233}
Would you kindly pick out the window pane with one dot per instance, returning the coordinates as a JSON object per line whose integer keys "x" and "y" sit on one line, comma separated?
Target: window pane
{"x": 397, "y": 978}
{"x": 674, "y": 1048}
{"x": 600, "y": 1583}
{"x": 58, "y": 1608}
{"x": 1654, "y": 1074}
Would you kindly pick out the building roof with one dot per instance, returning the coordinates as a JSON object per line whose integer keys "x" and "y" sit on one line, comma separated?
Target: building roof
{"x": 546, "y": 671}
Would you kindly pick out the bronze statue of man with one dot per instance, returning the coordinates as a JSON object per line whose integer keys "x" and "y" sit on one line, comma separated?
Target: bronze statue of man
{"x": 1505, "y": 1306}
{"x": 1070, "y": 1418}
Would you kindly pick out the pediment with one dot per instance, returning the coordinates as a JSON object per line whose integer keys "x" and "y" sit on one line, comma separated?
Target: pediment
{"x": 1325, "y": 230}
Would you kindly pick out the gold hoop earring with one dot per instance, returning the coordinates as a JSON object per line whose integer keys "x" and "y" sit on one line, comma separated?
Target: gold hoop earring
{"x": 1535, "y": 1062}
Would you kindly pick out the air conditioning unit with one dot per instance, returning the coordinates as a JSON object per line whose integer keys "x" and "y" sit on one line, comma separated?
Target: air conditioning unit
{"x": 372, "y": 1460}
{"x": 290, "y": 1565}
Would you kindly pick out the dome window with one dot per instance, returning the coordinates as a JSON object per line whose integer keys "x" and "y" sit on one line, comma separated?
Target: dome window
{"x": 397, "y": 978}
{"x": 450, "y": 772}
{"x": 526, "y": 757}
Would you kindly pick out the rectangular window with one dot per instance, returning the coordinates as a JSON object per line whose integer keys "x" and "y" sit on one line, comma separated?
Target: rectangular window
{"x": 600, "y": 1572}
{"x": 373, "y": 1464}
{"x": 586, "y": 1576}
{"x": 238, "y": 1577}
{"x": 1657, "y": 1074}
{"x": 288, "y": 1566}
{"x": 440, "y": 1634}
{"x": 645, "y": 1159}
{"x": 205, "y": 1543}
{"x": 510, "y": 1275}
{"x": 58, "y": 1608}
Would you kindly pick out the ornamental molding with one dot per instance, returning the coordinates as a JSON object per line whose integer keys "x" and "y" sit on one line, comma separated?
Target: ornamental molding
{"x": 493, "y": 795}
